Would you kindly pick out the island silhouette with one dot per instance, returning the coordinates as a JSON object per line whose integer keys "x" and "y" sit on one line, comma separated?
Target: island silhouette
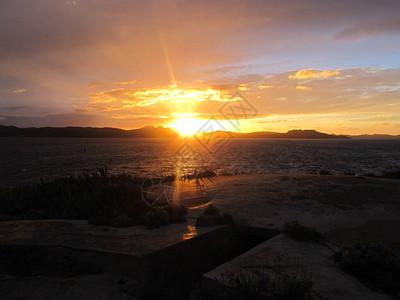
{"x": 148, "y": 132}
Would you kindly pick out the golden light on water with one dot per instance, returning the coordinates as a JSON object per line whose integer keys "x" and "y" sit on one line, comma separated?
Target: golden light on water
{"x": 192, "y": 232}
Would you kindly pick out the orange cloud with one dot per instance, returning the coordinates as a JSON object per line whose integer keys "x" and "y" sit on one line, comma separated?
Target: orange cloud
{"x": 148, "y": 97}
{"x": 122, "y": 98}
{"x": 19, "y": 91}
{"x": 126, "y": 82}
{"x": 243, "y": 87}
{"x": 302, "y": 87}
{"x": 107, "y": 96}
{"x": 261, "y": 87}
{"x": 312, "y": 73}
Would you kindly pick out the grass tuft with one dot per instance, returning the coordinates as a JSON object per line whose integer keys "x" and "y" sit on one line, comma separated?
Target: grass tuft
{"x": 392, "y": 172}
{"x": 101, "y": 197}
{"x": 373, "y": 264}
{"x": 268, "y": 281}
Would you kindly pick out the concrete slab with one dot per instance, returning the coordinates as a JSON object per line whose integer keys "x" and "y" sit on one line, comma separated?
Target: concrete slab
{"x": 282, "y": 253}
{"x": 96, "y": 287}
{"x": 78, "y": 234}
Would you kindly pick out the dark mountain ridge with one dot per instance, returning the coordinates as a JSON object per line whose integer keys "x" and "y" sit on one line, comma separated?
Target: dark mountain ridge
{"x": 147, "y": 132}
{"x": 375, "y": 137}
{"x": 291, "y": 134}
{"x": 88, "y": 132}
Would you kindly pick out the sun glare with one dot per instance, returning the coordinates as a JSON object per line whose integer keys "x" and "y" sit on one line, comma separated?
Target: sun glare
{"x": 188, "y": 126}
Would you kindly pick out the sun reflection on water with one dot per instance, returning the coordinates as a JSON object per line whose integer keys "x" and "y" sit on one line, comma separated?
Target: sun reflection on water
{"x": 192, "y": 232}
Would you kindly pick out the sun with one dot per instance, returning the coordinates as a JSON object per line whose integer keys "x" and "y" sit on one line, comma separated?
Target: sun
{"x": 188, "y": 126}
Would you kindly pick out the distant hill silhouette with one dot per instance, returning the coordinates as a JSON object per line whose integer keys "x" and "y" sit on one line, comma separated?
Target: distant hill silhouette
{"x": 291, "y": 134}
{"x": 149, "y": 132}
{"x": 376, "y": 137}
{"x": 88, "y": 132}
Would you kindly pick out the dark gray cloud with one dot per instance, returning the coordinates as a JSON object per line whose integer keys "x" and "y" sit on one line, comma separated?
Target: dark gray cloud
{"x": 32, "y": 28}
{"x": 77, "y": 119}
{"x": 13, "y": 108}
{"x": 387, "y": 25}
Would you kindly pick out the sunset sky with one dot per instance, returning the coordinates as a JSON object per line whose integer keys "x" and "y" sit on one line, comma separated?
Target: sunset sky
{"x": 333, "y": 66}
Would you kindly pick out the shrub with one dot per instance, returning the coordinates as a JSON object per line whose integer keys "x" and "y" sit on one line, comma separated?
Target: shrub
{"x": 101, "y": 198}
{"x": 206, "y": 173}
{"x": 300, "y": 232}
{"x": 156, "y": 217}
{"x": 293, "y": 288}
{"x": 121, "y": 221}
{"x": 392, "y": 172}
{"x": 211, "y": 216}
{"x": 268, "y": 281}
{"x": 226, "y": 218}
{"x": 324, "y": 172}
{"x": 371, "y": 263}
{"x": 176, "y": 212}
{"x": 211, "y": 210}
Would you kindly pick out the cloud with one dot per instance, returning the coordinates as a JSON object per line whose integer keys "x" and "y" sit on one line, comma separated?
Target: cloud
{"x": 56, "y": 49}
{"x": 13, "y": 108}
{"x": 223, "y": 87}
{"x": 387, "y": 25}
{"x": 18, "y": 91}
{"x": 272, "y": 121}
{"x": 94, "y": 85}
{"x": 244, "y": 87}
{"x": 357, "y": 98}
{"x": 312, "y": 73}
{"x": 147, "y": 97}
{"x": 109, "y": 96}
{"x": 82, "y": 119}
{"x": 372, "y": 118}
{"x": 302, "y": 87}
{"x": 129, "y": 82}
{"x": 381, "y": 124}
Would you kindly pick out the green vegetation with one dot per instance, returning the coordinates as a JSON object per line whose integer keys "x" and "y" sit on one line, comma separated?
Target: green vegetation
{"x": 393, "y": 172}
{"x": 101, "y": 198}
{"x": 372, "y": 264}
{"x": 211, "y": 216}
{"x": 300, "y": 232}
{"x": 206, "y": 173}
{"x": 288, "y": 287}
{"x": 155, "y": 218}
{"x": 324, "y": 172}
{"x": 266, "y": 281}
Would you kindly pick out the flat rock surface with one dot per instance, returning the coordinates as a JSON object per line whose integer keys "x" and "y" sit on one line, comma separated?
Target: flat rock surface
{"x": 285, "y": 255}
{"x": 323, "y": 202}
{"x": 344, "y": 208}
{"x": 78, "y": 234}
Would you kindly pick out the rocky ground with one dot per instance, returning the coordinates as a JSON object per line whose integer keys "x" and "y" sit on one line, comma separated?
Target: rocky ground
{"x": 343, "y": 208}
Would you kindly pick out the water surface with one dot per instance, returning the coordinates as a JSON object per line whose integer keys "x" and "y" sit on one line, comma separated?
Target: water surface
{"x": 30, "y": 159}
